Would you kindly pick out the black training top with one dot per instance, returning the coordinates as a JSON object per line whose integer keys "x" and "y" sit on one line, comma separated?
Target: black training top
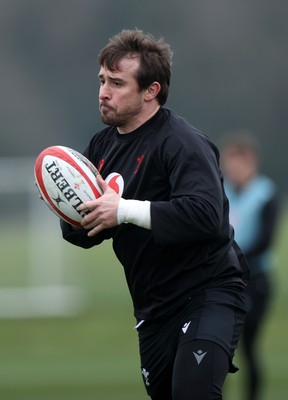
{"x": 191, "y": 244}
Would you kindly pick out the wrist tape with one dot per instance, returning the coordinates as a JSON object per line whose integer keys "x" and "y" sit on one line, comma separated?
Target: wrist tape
{"x": 136, "y": 212}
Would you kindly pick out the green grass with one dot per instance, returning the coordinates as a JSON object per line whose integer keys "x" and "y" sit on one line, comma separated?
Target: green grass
{"x": 90, "y": 356}
{"x": 94, "y": 355}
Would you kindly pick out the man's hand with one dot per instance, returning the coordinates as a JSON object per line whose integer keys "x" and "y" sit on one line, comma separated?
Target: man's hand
{"x": 103, "y": 211}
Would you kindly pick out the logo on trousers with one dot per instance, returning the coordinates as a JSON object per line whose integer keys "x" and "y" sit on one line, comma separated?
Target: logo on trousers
{"x": 145, "y": 374}
{"x": 199, "y": 355}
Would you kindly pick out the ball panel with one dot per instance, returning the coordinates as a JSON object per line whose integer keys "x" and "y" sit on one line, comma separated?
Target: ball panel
{"x": 79, "y": 162}
{"x": 63, "y": 191}
{"x": 116, "y": 182}
{"x": 66, "y": 179}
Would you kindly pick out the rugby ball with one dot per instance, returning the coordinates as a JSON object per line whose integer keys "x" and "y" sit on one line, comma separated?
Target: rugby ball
{"x": 66, "y": 179}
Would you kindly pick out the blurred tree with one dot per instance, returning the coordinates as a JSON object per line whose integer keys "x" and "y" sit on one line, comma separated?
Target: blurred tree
{"x": 230, "y": 68}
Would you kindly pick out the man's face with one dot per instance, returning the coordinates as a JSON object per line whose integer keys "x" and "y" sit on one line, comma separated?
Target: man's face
{"x": 120, "y": 100}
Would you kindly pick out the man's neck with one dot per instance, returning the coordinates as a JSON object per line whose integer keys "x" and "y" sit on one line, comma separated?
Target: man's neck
{"x": 142, "y": 118}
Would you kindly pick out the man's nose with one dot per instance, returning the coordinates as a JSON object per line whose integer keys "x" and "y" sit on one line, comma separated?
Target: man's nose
{"x": 104, "y": 92}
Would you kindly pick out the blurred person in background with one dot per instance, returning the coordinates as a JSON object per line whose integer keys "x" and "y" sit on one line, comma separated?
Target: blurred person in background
{"x": 254, "y": 209}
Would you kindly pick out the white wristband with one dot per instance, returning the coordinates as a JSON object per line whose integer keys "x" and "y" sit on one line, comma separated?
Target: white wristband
{"x": 136, "y": 212}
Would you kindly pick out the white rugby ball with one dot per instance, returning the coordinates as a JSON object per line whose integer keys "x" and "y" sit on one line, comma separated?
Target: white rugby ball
{"x": 66, "y": 179}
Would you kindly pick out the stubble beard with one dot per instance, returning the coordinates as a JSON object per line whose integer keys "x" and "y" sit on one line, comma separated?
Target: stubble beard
{"x": 112, "y": 118}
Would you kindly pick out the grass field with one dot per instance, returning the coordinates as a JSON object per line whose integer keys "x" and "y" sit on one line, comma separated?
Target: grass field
{"x": 94, "y": 354}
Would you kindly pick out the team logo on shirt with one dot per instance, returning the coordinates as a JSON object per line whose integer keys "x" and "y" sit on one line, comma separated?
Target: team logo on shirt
{"x": 139, "y": 161}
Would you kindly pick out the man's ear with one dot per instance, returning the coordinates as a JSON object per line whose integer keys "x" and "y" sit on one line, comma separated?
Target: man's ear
{"x": 152, "y": 91}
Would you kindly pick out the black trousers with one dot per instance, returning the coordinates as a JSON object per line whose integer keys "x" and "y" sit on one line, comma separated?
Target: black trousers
{"x": 199, "y": 371}
{"x": 188, "y": 355}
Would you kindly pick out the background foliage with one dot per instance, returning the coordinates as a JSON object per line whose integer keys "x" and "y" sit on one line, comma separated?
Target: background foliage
{"x": 230, "y": 68}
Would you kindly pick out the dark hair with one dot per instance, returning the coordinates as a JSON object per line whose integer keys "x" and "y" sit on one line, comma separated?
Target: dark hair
{"x": 155, "y": 58}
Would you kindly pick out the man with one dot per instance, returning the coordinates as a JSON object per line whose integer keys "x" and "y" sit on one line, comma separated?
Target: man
{"x": 170, "y": 228}
{"x": 254, "y": 209}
